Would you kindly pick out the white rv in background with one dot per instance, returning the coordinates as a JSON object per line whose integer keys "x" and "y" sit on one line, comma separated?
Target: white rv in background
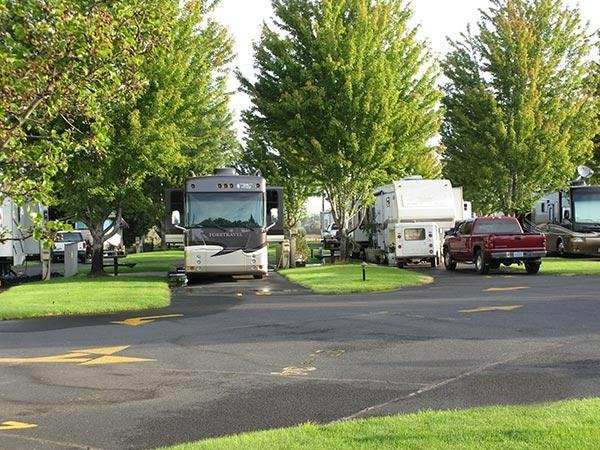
{"x": 411, "y": 216}
{"x": 16, "y": 243}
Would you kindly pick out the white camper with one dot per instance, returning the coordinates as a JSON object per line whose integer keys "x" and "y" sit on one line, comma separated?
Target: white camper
{"x": 417, "y": 242}
{"x": 16, "y": 243}
{"x": 433, "y": 205}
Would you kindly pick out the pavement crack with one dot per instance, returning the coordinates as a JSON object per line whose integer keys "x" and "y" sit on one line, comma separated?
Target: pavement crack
{"x": 447, "y": 381}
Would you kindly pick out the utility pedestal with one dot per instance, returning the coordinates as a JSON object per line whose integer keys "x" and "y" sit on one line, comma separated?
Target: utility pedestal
{"x": 46, "y": 269}
{"x": 71, "y": 259}
{"x": 283, "y": 255}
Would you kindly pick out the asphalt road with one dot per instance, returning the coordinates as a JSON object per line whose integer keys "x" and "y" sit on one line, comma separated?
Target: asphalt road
{"x": 246, "y": 355}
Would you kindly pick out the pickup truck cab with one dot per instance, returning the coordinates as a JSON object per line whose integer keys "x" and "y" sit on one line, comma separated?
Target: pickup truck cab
{"x": 490, "y": 241}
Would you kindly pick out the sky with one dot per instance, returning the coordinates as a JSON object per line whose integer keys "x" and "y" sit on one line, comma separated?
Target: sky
{"x": 437, "y": 20}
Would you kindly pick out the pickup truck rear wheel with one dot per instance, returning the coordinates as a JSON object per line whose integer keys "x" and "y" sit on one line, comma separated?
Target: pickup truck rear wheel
{"x": 532, "y": 267}
{"x": 480, "y": 265}
{"x": 449, "y": 263}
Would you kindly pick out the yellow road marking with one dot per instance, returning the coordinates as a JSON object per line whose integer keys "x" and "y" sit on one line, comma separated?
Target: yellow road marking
{"x": 81, "y": 357}
{"x": 502, "y": 289}
{"x": 137, "y": 321}
{"x": 294, "y": 371}
{"x": 10, "y": 425}
{"x": 491, "y": 308}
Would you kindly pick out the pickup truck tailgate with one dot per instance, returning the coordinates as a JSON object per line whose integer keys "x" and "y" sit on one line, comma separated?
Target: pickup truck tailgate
{"x": 515, "y": 242}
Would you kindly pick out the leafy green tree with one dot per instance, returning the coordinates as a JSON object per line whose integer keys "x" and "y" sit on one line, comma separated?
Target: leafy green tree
{"x": 61, "y": 59}
{"x": 345, "y": 95}
{"x": 297, "y": 184}
{"x": 179, "y": 121}
{"x": 520, "y": 110}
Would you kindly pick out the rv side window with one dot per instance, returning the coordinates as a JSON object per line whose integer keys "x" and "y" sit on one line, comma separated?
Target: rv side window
{"x": 414, "y": 234}
{"x": 543, "y": 207}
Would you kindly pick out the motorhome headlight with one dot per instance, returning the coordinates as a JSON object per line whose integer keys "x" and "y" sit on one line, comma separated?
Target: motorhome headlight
{"x": 578, "y": 240}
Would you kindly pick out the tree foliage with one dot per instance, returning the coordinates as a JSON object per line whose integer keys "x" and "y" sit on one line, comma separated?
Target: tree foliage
{"x": 345, "y": 97}
{"x": 520, "y": 111}
{"x": 64, "y": 59}
{"x": 178, "y": 121}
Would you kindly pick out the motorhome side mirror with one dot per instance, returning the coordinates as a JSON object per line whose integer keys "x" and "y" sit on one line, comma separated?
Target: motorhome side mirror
{"x": 175, "y": 218}
{"x": 274, "y": 215}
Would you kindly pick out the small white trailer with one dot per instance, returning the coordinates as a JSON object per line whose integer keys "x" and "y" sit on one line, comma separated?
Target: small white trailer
{"x": 16, "y": 243}
{"x": 417, "y": 242}
{"x": 416, "y": 208}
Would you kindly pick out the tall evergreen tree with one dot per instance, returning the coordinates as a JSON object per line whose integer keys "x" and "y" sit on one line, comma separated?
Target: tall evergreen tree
{"x": 520, "y": 110}
{"x": 345, "y": 95}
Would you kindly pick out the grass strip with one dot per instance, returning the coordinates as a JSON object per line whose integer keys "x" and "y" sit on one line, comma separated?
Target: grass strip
{"x": 347, "y": 278}
{"x": 564, "y": 266}
{"x": 566, "y": 425}
{"x": 83, "y": 296}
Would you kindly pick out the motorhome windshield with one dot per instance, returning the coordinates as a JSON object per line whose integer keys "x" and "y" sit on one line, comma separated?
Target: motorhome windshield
{"x": 225, "y": 209}
{"x": 586, "y": 206}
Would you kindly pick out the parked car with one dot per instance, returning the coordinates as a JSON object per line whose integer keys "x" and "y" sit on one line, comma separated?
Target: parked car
{"x": 489, "y": 242}
{"x": 65, "y": 237}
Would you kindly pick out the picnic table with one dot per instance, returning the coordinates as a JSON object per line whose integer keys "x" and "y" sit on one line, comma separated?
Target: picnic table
{"x": 115, "y": 256}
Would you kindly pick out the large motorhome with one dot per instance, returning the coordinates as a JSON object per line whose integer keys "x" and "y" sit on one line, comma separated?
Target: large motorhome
{"x": 414, "y": 209}
{"x": 16, "y": 243}
{"x": 226, "y": 218}
{"x": 571, "y": 219}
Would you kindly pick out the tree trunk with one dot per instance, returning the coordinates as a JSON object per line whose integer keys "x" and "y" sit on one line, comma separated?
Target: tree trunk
{"x": 343, "y": 245}
{"x": 162, "y": 233}
{"x": 97, "y": 269}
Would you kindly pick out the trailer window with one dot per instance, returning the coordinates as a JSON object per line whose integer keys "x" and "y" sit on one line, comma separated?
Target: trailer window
{"x": 414, "y": 234}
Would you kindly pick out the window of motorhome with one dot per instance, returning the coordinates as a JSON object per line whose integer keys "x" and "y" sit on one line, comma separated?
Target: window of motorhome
{"x": 414, "y": 234}
{"x": 587, "y": 206}
{"x": 231, "y": 209}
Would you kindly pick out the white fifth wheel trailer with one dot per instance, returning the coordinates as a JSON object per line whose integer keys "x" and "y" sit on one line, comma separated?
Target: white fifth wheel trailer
{"x": 16, "y": 243}
{"x": 411, "y": 216}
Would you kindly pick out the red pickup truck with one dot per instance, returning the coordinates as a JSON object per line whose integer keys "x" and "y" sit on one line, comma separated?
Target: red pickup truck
{"x": 491, "y": 241}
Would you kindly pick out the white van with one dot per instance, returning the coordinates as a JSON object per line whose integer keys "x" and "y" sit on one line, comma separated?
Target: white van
{"x": 417, "y": 242}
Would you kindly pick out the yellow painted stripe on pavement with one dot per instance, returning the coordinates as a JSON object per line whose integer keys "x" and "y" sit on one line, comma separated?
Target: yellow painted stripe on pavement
{"x": 11, "y": 425}
{"x": 502, "y": 289}
{"x": 137, "y": 321}
{"x": 491, "y": 308}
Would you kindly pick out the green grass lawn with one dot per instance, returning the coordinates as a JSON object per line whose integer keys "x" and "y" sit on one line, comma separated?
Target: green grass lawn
{"x": 156, "y": 261}
{"x": 565, "y": 425}
{"x": 81, "y": 296}
{"x": 347, "y": 278}
{"x": 565, "y": 266}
